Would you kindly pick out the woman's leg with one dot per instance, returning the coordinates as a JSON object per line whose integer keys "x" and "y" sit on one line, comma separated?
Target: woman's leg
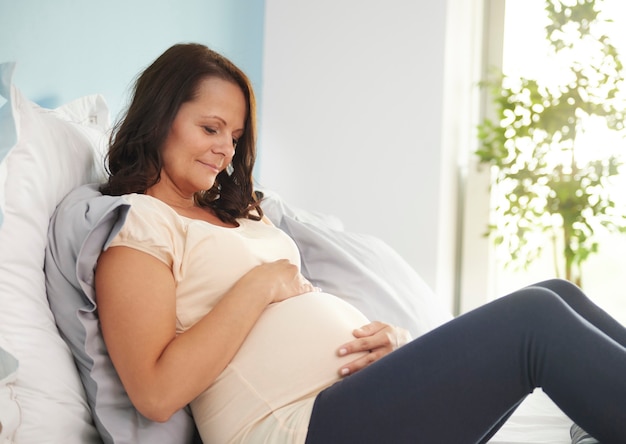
{"x": 575, "y": 298}
{"x": 459, "y": 382}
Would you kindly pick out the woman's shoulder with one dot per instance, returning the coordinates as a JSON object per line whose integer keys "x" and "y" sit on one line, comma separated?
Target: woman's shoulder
{"x": 151, "y": 208}
{"x": 150, "y": 215}
{"x": 151, "y": 226}
{"x": 145, "y": 202}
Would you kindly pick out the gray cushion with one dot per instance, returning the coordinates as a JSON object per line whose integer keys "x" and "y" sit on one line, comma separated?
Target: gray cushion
{"x": 83, "y": 224}
{"x": 361, "y": 269}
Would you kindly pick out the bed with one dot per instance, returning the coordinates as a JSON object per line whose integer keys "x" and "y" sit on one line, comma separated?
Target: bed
{"x": 56, "y": 383}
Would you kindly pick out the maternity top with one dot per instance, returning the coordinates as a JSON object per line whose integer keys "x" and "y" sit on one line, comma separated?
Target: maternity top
{"x": 266, "y": 393}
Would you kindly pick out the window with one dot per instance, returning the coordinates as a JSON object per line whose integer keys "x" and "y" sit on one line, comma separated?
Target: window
{"x": 522, "y": 54}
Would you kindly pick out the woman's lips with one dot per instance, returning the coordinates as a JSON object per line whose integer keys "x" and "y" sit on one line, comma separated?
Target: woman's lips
{"x": 210, "y": 165}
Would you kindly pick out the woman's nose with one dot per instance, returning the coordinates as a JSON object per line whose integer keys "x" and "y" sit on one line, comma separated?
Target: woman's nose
{"x": 225, "y": 146}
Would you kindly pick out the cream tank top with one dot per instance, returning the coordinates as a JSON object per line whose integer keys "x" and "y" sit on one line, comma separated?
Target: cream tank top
{"x": 266, "y": 393}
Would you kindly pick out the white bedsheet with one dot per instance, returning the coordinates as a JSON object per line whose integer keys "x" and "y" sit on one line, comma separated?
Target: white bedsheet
{"x": 536, "y": 421}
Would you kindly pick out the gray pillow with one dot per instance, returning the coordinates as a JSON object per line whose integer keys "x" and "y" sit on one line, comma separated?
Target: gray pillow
{"x": 82, "y": 225}
{"x": 361, "y": 269}
{"x": 9, "y": 408}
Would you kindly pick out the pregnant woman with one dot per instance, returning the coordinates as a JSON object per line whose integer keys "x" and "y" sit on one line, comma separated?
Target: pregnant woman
{"x": 201, "y": 302}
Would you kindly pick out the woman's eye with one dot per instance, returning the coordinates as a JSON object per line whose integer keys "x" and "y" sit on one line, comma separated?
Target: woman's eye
{"x": 235, "y": 143}
{"x": 209, "y": 130}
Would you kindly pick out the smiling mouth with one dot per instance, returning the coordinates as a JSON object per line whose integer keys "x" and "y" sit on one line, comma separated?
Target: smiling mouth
{"x": 213, "y": 166}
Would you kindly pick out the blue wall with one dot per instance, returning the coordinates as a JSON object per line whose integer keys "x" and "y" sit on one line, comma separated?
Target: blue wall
{"x": 65, "y": 49}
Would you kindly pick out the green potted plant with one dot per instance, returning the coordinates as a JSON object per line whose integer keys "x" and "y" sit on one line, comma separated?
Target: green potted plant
{"x": 549, "y": 187}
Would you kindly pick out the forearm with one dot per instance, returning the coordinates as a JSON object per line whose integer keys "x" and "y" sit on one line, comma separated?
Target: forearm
{"x": 203, "y": 351}
{"x": 194, "y": 359}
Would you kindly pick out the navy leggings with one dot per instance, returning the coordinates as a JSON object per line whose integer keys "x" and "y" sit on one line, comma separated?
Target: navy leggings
{"x": 460, "y": 382}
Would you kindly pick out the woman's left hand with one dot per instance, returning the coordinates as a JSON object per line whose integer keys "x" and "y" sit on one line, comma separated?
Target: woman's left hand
{"x": 377, "y": 339}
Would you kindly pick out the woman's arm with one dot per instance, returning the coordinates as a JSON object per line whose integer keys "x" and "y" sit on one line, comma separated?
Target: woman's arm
{"x": 162, "y": 372}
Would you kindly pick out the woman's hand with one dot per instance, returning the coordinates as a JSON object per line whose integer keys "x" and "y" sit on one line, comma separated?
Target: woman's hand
{"x": 280, "y": 280}
{"x": 376, "y": 338}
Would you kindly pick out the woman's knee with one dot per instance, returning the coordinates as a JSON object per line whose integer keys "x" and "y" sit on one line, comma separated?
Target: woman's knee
{"x": 537, "y": 304}
{"x": 566, "y": 290}
{"x": 559, "y": 285}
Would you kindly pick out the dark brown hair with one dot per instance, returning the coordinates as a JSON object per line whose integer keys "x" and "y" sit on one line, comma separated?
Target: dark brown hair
{"x": 134, "y": 157}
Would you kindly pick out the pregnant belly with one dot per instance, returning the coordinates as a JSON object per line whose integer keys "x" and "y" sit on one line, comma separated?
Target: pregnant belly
{"x": 292, "y": 350}
{"x": 290, "y": 355}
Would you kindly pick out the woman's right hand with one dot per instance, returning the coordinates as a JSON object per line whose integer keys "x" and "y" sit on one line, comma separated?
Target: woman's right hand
{"x": 279, "y": 280}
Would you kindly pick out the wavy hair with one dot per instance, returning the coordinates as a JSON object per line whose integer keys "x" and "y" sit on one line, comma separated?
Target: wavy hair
{"x": 134, "y": 159}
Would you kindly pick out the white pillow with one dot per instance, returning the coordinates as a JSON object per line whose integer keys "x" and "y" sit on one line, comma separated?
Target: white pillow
{"x": 43, "y": 155}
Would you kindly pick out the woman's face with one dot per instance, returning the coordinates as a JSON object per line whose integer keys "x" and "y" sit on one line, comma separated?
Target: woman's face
{"x": 202, "y": 139}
